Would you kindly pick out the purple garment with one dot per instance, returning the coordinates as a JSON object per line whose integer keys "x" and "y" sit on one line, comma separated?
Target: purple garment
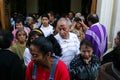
{"x": 98, "y": 36}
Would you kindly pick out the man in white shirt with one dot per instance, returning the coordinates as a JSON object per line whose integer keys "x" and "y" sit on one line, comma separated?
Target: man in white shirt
{"x": 69, "y": 42}
{"x": 46, "y": 28}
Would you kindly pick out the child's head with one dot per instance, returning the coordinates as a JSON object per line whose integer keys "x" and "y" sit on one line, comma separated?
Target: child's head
{"x": 21, "y": 36}
{"x": 19, "y": 24}
{"x": 45, "y": 20}
{"x": 86, "y": 49}
{"x": 35, "y": 33}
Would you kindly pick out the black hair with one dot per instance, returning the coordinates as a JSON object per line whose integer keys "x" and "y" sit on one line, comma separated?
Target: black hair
{"x": 6, "y": 38}
{"x": 118, "y": 34}
{"x": 93, "y": 18}
{"x": 51, "y": 13}
{"x": 56, "y": 46}
{"x": 32, "y": 33}
{"x": 116, "y": 57}
{"x": 72, "y": 13}
{"x": 20, "y": 31}
{"x": 118, "y": 37}
{"x": 77, "y": 19}
{"x": 48, "y": 44}
{"x": 45, "y": 15}
{"x": 86, "y": 42}
{"x": 19, "y": 21}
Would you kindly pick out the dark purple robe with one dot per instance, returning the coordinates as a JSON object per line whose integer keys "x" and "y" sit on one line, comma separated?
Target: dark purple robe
{"x": 97, "y": 34}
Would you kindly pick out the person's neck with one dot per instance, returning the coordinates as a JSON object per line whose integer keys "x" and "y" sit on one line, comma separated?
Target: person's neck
{"x": 66, "y": 37}
{"x": 22, "y": 43}
{"x": 21, "y": 28}
{"x": 45, "y": 25}
{"x": 87, "y": 60}
{"x": 71, "y": 19}
{"x": 49, "y": 64}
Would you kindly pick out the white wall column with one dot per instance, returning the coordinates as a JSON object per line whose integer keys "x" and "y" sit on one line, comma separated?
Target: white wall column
{"x": 116, "y": 20}
{"x": 32, "y": 6}
{"x": 104, "y": 11}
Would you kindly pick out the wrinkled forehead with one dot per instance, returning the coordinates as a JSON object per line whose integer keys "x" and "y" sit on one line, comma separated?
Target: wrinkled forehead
{"x": 62, "y": 24}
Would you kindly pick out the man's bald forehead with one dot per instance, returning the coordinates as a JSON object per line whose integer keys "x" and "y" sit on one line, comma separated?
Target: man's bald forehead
{"x": 62, "y": 22}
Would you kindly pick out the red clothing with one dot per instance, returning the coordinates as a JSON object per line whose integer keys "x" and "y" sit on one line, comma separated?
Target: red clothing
{"x": 61, "y": 72}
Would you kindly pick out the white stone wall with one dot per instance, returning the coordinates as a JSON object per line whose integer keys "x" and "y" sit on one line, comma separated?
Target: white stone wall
{"x": 116, "y": 20}
{"x": 108, "y": 12}
{"x": 104, "y": 11}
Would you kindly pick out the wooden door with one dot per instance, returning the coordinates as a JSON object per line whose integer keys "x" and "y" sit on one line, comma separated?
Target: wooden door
{"x": 93, "y": 6}
{"x": 5, "y": 14}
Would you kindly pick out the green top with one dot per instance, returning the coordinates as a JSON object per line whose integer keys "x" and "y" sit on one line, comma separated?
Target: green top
{"x": 18, "y": 49}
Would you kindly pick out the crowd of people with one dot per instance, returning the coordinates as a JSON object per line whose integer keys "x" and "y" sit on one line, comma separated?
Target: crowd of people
{"x": 47, "y": 47}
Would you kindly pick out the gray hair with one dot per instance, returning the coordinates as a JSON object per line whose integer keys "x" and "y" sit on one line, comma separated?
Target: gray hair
{"x": 64, "y": 19}
{"x": 29, "y": 17}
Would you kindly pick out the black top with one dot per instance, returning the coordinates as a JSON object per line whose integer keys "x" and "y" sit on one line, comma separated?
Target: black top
{"x": 107, "y": 58}
{"x": 79, "y": 70}
{"x": 10, "y": 66}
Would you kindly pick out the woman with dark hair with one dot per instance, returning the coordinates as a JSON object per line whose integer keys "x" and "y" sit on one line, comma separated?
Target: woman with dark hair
{"x": 77, "y": 28}
{"x": 35, "y": 33}
{"x": 44, "y": 64}
{"x": 20, "y": 45}
{"x": 10, "y": 64}
{"x": 85, "y": 66}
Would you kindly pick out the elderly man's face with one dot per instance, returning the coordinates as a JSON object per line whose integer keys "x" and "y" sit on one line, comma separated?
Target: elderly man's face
{"x": 63, "y": 29}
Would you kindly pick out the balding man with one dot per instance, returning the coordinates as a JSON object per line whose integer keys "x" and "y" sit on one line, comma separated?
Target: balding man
{"x": 97, "y": 34}
{"x": 69, "y": 41}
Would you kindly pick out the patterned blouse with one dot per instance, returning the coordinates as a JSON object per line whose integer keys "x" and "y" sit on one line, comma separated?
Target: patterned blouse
{"x": 79, "y": 70}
